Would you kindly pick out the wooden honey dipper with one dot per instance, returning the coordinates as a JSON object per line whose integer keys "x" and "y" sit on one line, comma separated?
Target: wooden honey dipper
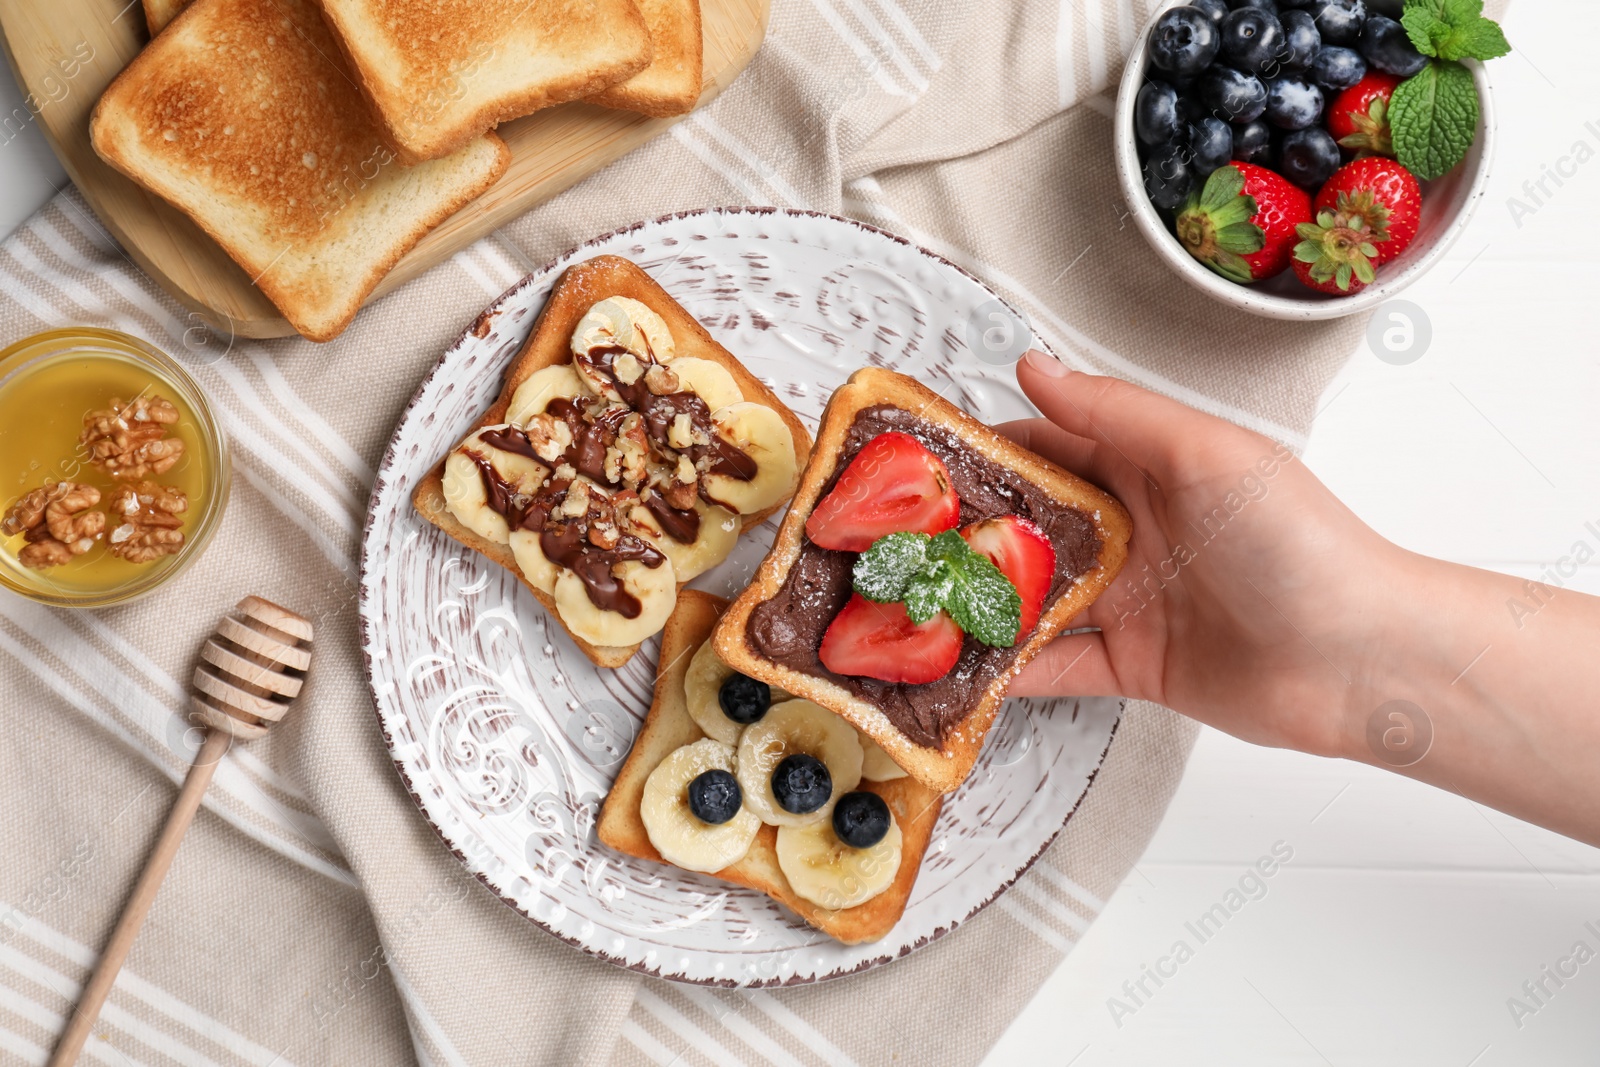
{"x": 249, "y": 672}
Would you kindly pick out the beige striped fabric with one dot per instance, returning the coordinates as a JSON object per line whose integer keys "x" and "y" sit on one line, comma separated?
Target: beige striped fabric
{"x": 312, "y": 916}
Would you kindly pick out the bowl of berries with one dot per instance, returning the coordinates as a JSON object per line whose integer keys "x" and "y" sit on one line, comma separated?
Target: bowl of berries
{"x": 1307, "y": 159}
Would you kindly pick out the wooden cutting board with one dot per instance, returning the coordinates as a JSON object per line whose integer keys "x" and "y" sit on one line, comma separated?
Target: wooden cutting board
{"x": 65, "y": 52}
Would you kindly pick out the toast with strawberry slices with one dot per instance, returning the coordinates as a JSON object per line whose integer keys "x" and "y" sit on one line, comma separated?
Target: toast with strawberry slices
{"x": 669, "y": 726}
{"x": 927, "y": 698}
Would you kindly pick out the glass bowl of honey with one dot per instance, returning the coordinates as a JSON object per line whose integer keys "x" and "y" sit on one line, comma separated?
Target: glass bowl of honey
{"x": 113, "y": 470}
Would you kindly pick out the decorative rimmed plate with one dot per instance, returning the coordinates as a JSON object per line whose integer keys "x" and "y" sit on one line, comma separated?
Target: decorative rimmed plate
{"x": 508, "y": 738}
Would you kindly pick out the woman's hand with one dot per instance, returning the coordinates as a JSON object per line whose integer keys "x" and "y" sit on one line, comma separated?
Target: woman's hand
{"x": 1256, "y": 602}
{"x": 1251, "y": 597}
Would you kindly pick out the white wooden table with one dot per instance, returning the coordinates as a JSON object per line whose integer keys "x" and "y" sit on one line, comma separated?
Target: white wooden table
{"x": 1406, "y": 918}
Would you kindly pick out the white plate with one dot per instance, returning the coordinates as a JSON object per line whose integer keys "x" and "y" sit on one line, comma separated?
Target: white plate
{"x": 508, "y": 737}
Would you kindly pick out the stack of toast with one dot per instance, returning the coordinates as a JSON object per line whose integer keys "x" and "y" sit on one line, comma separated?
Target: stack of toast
{"x": 318, "y": 140}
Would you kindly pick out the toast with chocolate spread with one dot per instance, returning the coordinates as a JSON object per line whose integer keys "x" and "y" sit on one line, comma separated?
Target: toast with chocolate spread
{"x": 672, "y": 733}
{"x": 953, "y": 557}
{"x": 626, "y": 454}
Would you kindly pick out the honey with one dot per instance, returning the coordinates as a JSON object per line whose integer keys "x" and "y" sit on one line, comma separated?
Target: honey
{"x": 47, "y": 385}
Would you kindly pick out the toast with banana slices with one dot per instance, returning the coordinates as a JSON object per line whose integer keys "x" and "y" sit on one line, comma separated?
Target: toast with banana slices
{"x": 995, "y": 547}
{"x": 694, "y": 733}
{"x": 242, "y": 115}
{"x": 670, "y": 85}
{"x": 627, "y": 452}
{"x": 442, "y": 73}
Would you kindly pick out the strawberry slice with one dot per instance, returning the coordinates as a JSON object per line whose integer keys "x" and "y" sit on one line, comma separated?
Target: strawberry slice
{"x": 880, "y": 641}
{"x": 1024, "y": 554}
{"x": 894, "y": 485}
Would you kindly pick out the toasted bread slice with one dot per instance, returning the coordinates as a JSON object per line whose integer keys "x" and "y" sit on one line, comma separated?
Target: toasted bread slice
{"x": 242, "y": 115}
{"x": 945, "y": 765}
{"x": 440, "y": 74}
{"x": 578, "y": 289}
{"x": 670, "y": 85}
{"x": 669, "y": 727}
{"x": 157, "y": 13}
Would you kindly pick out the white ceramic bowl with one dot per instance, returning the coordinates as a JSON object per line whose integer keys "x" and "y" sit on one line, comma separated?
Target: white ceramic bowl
{"x": 1447, "y": 205}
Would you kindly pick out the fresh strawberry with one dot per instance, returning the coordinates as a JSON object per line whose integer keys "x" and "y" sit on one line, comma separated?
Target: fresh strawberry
{"x": 880, "y": 641}
{"x": 1359, "y": 116}
{"x": 1367, "y": 214}
{"x": 1242, "y": 223}
{"x": 1024, "y": 554}
{"x": 894, "y": 485}
{"x": 1381, "y": 193}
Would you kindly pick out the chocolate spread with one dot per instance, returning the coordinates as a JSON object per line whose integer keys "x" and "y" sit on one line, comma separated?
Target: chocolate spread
{"x": 788, "y": 628}
{"x": 592, "y": 544}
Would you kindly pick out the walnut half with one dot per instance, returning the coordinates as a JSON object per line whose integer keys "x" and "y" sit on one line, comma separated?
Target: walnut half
{"x": 57, "y": 521}
{"x": 129, "y": 440}
{"x": 151, "y": 517}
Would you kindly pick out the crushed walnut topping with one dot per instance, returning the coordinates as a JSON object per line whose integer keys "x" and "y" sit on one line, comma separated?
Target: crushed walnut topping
{"x": 129, "y": 440}
{"x": 57, "y": 521}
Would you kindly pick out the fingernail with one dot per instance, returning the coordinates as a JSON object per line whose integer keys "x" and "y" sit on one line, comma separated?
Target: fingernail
{"x": 1046, "y": 364}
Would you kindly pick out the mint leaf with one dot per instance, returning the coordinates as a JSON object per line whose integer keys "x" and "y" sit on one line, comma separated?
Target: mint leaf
{"x": 883, "y": 571}
{"x": 1433, "y": 118}
{"x": 943, "y": 573}
{"x": 1482, "y": 39}
{"x": 1453, "y": 29}
{"x": 926, "y": 593}
{"x": 1461, "y": 12}
{"x": 1425, "y": 26}
{"x": 984, "y": 603}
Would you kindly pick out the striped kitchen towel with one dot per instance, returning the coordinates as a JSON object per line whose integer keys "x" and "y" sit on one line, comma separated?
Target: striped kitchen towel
{"x": 312, "y": 916}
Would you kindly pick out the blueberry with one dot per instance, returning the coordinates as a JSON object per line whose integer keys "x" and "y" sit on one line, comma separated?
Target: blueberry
{"x": 801, "y": 784}
{"x": 1301, "y": 39}
{"x": 1252, "y": 40}
{"x": 1269, "y": 6}
{"x": 861, "y": 819}
{"x": 744, "y": 700}
{"x": 1340, "y": 21}
{"x": 1155, "y": 113}
{"x": 1184, "y": 41}
{"x": 1232, "y": 95}
{"x": 1167, "y": 175}
{"x": 1386, "y": 45}
{"x": 1215, "y": 10}
{"x": 1309, "y": 157}
{"x": 1338, "y": 68}
{"x": 1252, "y": 143}
{"x": 1210, "y": 146}
{"x": 714, "y": 796}
{"x": 1296, "y": 5}
{"x": 1293, "y": 103}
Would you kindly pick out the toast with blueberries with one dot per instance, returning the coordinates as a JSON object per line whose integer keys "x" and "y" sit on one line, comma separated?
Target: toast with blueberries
{"x": 732, "y": 778}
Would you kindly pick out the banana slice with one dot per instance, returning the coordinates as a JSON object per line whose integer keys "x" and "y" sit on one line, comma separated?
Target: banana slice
{"x": 655, "y": 587}
{"x": 876, "y": 766}
{"x": 535, "y": 394}
{"x": 702, "y": 691}
{"x": 708, "y": 380}
{"x": 719, "y": 531}
{"x": 788, "y": 728}
{"x": 762, "y": 435}
{"x": 675, "y": 831}
{"x": 463, "y": 484}
{"x": 829, "y": 873}
{"x": 531, "y": 561}
{"x": 622, "y": 322}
